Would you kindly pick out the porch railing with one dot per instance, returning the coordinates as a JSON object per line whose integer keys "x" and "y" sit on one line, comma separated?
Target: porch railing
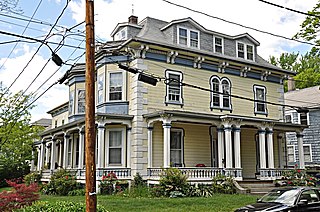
{"x": 199, "y": 173}
{"x": 272, "y": 174}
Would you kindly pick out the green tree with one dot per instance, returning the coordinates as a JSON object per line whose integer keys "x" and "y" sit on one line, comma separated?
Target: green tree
{"x": 16, "y": 135}
{"x": 306, "y": 66}
{"x": 310, "y": 27}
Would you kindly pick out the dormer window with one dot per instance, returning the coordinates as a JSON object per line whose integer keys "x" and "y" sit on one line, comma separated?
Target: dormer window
{"x": 245, "y": 51}
{"x": 121, "y": 35}
{"x": 218, "y": 45}
{"x": 187, "y": 37}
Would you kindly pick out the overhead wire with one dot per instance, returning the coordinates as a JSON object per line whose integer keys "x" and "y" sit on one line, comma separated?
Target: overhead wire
{"x": 241, "y": 25}
{"x": 26, "y": 27}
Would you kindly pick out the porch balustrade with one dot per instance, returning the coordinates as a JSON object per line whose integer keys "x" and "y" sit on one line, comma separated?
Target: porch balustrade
{"x": 272, "y": 174}
{"x": 203, "y": 173}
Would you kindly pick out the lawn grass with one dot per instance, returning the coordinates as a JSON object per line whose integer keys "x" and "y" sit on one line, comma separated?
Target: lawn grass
{"x": 219, "y": 202}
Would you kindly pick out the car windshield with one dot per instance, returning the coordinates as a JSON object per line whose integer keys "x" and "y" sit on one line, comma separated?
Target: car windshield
{"x": 281, "y": 196}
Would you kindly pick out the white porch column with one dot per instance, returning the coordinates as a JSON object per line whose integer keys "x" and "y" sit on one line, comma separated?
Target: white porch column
{"x": 39, "y": 158}
{"x": 60, "y": 154}
{"x": 47, "y": 155}
{"x": 221, "y": 158}
{"x": 81, "y": 148}
{"x": 166, "y": 143}
{"x": 101, "y": 135}
{"x": 150, "y": 131}
{"x": 270, "y": 149}
{"x": 53, "y": 154}
{"x": 237, "y": 155}
{"x": 262, "y": 148}
{"x": 65, "y": 150}
{"x": 300, "y": 149}
{"x": 129, "y": 147}
{"x": 227, "y": 133}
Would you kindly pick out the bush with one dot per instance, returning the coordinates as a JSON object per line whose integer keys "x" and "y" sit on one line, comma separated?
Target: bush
{"x": 200, "y": 190}
{"x": 33, "y": 177}
{"x": 223, "y": 184}
{"x": 172, "y": 181}
{"x": 21, "y": 196}
{"x": 138, "y": 181}
{"x": 59, "y": 206}
{"x": 297, "y": 177}
{"x": 77, "y": 192}
{"x": 61, "y": 183}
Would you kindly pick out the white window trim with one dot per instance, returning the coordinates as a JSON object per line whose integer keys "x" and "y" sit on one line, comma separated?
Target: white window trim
{"x": 188, "y": 37}
{"x": 124, "y": 88}
{"x": 123, "y": 149}
{"x": 310, "y": 148}
{"x": 245, "y": 51}
{"x": 220, "y": 94}
{"x": 167, "y": 88}
{"x": 182, "y": 143}
{"x": 294, "y": 153}
{"x": 103, "y": 89}
{"x": 290, "y": 112}
{"x": 255, "y": 87}
{"x": 77, "y": 94}
{"x": 214, "y": 44}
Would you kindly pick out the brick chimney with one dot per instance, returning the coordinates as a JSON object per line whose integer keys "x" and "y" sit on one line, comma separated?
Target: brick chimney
{"x": 291, "y": 84}
{"x": 133, "y": 19}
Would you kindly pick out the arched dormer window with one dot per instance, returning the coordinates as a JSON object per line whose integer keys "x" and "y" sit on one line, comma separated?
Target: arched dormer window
{"x": 220, "y": 95}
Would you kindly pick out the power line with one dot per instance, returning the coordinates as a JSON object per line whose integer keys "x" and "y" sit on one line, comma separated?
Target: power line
{"x": 39, "y": 46}
{"x": 292, "y": 10}
{"x": 241, "y": 25}
{"x": 26, "y": 27}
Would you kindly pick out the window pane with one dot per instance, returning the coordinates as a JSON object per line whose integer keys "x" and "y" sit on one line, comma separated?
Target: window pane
{"x": 194, "y": 39}
{"x": 175, "y": 156}
{"x": 241, "y": 50}
{"x": 183, "y": 36}
{"x": 115, "y": 87}
{"x": 115, "y": 138}
{"x": 81, "y": 101}
{"x": 218, "y": 45}
{"x": 71, "y": 99}
{"x": 174, "y": 87}
{"x": 176, "y": 147}
{"x": 249, "y": 52}
{"x": 115, "y": 156}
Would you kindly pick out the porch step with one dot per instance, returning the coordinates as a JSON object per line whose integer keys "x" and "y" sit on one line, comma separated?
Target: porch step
{"x": 257, "y": 187}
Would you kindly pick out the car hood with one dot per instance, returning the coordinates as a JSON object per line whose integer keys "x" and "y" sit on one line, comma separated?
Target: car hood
{"x": 264, "y": 206}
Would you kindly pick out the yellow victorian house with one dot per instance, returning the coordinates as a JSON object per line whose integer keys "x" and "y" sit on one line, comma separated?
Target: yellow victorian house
{"x": 214, "y": 107}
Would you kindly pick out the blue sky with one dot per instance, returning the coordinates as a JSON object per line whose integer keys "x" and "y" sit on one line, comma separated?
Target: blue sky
{"x": 108, "y": 13}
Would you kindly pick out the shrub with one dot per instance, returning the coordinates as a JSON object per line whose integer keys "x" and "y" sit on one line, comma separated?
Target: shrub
{"x": 172, "y": 180}
{"x": 77, "y": 192}
{"x": 32, "y": 177}
{"x": 107, "y": 184}
{"x": 138, "y": 181}
{"x": 200, "y": 190}
{"x": 297, "y": 177}
{"x": 223, "y": 184}
{"x": 59, "y": 206}
{"x": 21, "y": 196}
{"x": 61, "y": 183}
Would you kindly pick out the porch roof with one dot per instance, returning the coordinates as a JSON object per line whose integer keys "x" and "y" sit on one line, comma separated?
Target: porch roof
{"x": 81, "y": 121}
{"x": 213, "y": 119}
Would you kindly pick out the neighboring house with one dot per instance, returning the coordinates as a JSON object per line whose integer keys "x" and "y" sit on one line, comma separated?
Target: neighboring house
{"x": 232, "y": 130}
{"x": 308, "y": 98}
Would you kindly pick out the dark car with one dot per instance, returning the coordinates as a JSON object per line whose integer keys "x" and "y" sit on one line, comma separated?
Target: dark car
{"x": 287, "y": 199}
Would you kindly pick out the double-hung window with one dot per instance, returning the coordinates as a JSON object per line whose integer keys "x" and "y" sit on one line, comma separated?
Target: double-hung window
{"x": 218, "y": 45}
{"x": 115, "y": 86}
{"x": 245, "y": 51}
{"x": 71, "y": 101}
{"x": 307, "y": 152}
{"x": 176, "y": 147}
{"x": 188, "y": 37}
{"x": 81, "y": 101}
{"x": 116, "y": 147}
{"x": 69, "y": 159}
{"x": 100, "y": 88}
{"x": 174, "y": 87}
{"x": 291, "y": 153}
{"x": 260, "y": 105}
{"x": 221, "y": 93}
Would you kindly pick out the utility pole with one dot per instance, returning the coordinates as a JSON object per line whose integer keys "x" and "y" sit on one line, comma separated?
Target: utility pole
{"x": 90, "y": 135}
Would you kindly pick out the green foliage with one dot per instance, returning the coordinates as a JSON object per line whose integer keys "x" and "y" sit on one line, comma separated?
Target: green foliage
{"x": 306, "y": 66}
{"x": 200, "y": 190}
{"x": 223, "y": 184}
{"x": 137, "y": 192}
{"x": 16, "y": 135}
{"x": 77, "y": 192}
{"x": 59, "y": 206}
{"x": 111, "y": 185}
{"x": 61, "y": 183}
{"x": 138, "y": 181}
{"x": 33, "y": 177}
{"x": 297, "y": 177}
{"x": 172, "y": 181}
